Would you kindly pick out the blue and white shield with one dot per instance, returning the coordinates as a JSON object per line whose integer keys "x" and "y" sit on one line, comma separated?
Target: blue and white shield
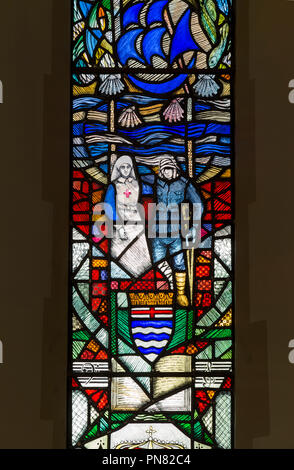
{"x": 151, "y": 330}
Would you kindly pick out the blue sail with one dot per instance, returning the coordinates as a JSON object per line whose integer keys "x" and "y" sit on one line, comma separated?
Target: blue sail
{"x": 132, "y": 14}
{"x": 155, "y": 12}
{"x": 182, "y": 40}
{"x": 126, "y": 48}
{"x": 152, "y": 44}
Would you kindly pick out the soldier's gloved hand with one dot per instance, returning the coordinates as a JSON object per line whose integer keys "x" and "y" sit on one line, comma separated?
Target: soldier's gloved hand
{"x": 191, "y": 236}
{"x": 122, "y": 233}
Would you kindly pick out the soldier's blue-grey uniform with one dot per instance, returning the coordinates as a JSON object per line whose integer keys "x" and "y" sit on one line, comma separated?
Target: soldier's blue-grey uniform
{"x": 166, "y": 229}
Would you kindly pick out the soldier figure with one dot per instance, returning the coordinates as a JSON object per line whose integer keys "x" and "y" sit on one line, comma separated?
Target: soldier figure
{"x": 171, "y": 190}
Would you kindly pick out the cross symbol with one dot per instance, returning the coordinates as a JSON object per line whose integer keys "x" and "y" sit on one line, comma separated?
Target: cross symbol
{"x": 152, "y": 315}
{"x": 151, "y": 431}
{"x": 127, "y": 193}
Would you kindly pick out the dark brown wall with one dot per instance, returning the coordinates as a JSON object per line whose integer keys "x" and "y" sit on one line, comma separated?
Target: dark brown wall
{"x": 264, "y": 247}
{"x": 34, "y": 147}
{"x": 34, "y": 123}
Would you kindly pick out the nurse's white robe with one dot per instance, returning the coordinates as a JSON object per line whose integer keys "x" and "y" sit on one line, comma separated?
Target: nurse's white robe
{"x": 132, "y": 252}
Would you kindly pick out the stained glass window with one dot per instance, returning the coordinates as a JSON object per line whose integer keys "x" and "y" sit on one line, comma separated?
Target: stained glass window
{"x": 151, "y": 224}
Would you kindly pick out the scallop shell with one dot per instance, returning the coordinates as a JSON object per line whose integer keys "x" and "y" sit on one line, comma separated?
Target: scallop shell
{"x": 111, "y": 84}
{"x": 129, "y": 118}
{"x": 206, "y": 86}
{"x": 174, "y": 112}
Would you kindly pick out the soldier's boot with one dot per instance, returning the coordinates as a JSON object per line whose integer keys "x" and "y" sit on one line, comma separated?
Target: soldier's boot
{"x": 182, "y": 299}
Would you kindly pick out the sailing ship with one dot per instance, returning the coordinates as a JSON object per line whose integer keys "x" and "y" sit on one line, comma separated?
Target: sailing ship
{"x": 172, "y": 35}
